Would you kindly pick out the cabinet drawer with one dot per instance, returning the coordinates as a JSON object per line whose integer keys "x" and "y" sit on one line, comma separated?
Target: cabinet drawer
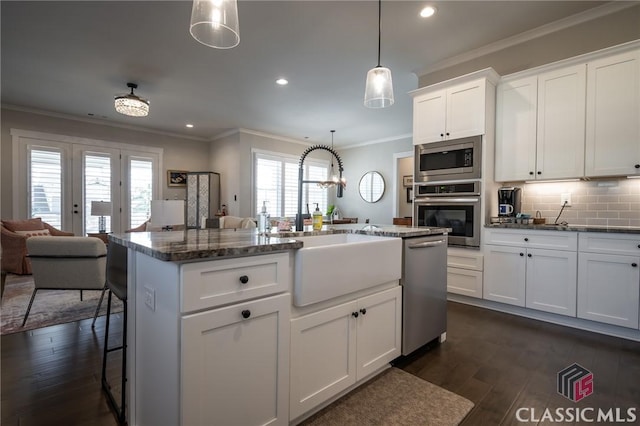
{"x": 553, "y": 240}
{"x": 592, "y": 242}
{"x": 208, "y": 284}
{"x": 464, "y": 258}
{"x": 465, "y": 282}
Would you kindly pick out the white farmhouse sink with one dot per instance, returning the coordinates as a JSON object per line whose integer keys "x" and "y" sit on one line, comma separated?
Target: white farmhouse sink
{"x": 329, "y": 266}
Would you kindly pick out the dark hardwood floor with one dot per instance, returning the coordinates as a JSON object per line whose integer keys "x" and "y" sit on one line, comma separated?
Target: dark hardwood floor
{"x": 501, "y": 362}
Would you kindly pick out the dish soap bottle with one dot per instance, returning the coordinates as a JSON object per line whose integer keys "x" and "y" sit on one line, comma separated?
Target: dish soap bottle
{"x": 263, "y": 219}
{"x": 317, "y": 219}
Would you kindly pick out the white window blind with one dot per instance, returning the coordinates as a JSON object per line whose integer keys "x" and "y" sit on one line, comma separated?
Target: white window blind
{"x": 276, "y": 181}
{"x": 45, "y": 167}
{"x": 140, "y": 190}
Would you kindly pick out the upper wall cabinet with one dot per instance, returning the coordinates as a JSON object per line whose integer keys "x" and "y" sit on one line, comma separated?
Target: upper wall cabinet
{"x": 540, "y": 126}
{"x": 613, "y": 116}
{"x": 453, "y": 109}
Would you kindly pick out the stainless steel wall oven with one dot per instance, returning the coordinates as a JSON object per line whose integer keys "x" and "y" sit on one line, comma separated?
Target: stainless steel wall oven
{"x": 450, "y": 205}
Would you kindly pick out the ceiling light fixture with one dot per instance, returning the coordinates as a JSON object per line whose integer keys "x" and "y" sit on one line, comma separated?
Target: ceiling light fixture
{"x": 282, "y": 81}
{"x": 131, "y": 104}
{"x": 379, "y": 88}
{"x": 428, "y": 11}
{"x": 189, "y": 125}
{"x": 214, "y": 23}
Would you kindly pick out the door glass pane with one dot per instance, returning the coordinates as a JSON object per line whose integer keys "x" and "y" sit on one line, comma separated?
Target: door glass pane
{"x": 97, "y": 187}
{"x": 46, "y": 186}
{"x": 140, "y": 191}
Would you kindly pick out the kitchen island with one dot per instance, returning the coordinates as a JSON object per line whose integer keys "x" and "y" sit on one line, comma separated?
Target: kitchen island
{"x": 210, "y": 325}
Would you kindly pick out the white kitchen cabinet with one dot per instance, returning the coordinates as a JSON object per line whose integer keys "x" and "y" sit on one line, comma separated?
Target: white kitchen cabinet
{"x": 234, "y": 355}
{"x": 516, "y": 115}
{"x": 613, "y": 111}
{"x": 540, "y": 126}
{"x": 334, "y": 348}
{"x": 533, "y": 269}
{"x": 452, "y": 110}
{"x": 464, "y": 272}
{"x": 609, "y": 278}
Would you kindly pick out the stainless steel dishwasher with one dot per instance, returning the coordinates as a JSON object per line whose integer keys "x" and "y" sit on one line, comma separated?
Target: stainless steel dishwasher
{"x": 424, "y": 290}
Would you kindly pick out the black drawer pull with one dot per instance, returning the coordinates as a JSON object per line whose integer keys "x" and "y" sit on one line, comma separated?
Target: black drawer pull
{"x": 354, "y": 314}
{"x": 246, "y": 314}
{"x": 634, "y": 265}
{"x": 244, "y": 279}
{"x": 637, "y": 166}
{"x": 521, "y": 254}
{"x": 529, "y": 255}
{"x": 526, "y": 239}
{"x": 363, "y": 311}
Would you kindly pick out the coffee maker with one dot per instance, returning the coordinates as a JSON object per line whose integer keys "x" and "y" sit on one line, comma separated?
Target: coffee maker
{"x": 509, "y": 202}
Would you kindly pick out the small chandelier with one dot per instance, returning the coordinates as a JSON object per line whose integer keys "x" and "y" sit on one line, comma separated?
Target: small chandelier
{"x": 131, "y": 104}
{"x": 378, "y": 91}
{"x": 214, "y": 23}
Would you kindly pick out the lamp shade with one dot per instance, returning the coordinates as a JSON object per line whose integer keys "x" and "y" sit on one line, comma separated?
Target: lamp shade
{"x": 379, "y": 88}
{"x": 167, "y": 212}
{"x": 100, "y": 208}
{"x": 214, "y": 23}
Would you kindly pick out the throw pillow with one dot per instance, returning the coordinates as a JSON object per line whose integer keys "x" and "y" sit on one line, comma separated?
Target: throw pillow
{"x": 24, "y": 225}
{"x": 34, "y": 233}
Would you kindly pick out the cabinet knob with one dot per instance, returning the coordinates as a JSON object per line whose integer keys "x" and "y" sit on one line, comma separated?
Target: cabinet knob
{"x": 448, "y": 133}
{"x": 637, "y": 166}
{"x": 638, "y": 245}
{"x": 246, "y": 314}
{"x": 521, "y": 254}
{"x": 354, "y": 314}
{"x": 539, "y": 173}
{"x": 441, "y": 135}
{"x": 244, "y": 279}
{"x": 531, "y": 173}
{"x": 635, "y": 265}
{"x": 528, "y": 254}
{"x": 363, "y": 311}
{"x": 526, "y": 239}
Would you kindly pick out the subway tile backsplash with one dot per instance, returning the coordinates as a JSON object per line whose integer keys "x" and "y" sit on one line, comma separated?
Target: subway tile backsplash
{"x": 602, "y": 202}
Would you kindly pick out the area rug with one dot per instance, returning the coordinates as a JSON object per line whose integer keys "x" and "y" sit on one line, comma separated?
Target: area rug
{"x": 394, "y": 398}
{"x": 50, "y": 307}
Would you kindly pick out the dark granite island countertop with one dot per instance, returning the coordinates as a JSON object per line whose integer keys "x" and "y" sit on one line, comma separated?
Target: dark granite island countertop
{"x": 200, "y": 244}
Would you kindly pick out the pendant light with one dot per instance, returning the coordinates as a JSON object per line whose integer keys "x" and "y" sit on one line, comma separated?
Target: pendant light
{"x": 214, "y": 23}
{"x": 132, "y": 105}
{"x": 379, "y": 88}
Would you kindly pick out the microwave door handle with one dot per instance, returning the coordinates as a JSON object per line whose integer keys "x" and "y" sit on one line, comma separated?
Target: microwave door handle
{"x": 448, "y": 200}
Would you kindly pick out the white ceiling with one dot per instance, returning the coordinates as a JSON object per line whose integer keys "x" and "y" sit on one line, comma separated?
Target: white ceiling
{"x": 73, "y": 57}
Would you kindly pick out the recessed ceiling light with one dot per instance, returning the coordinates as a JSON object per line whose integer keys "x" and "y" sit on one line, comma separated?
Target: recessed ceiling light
{"x": 282, "y": 81}
{"x": 428, "y": 11}
{"x": 189, "y": 125}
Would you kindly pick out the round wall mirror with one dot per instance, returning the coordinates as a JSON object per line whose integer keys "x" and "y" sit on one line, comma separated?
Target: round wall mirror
{"x": 371, "y": 187}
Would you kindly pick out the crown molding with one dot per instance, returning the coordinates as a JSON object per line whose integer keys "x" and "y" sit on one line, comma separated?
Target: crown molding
{"x": 552, "y": 27}
{"x": 377, "y": 141}
{"x": 98, "y": 121}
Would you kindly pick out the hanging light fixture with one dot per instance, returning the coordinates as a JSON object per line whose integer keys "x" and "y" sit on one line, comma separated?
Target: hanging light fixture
{"x": 379, "y": 88}
{"x": 214, "y": 23}
{"x": 131, "y": 104}
{"x": 334, "y": 180}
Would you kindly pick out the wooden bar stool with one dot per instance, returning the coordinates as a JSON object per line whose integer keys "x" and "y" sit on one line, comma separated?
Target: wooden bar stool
{"x": 116, "y": 284}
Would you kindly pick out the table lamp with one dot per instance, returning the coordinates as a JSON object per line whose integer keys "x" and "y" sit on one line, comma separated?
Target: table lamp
{"x": 102, "y": 209}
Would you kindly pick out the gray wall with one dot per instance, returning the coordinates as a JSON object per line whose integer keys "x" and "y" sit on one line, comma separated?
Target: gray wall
{"x": 179, "y": 154}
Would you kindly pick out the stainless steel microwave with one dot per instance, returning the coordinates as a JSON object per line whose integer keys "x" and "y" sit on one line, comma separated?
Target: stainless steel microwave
{"x": 455, "y": 159}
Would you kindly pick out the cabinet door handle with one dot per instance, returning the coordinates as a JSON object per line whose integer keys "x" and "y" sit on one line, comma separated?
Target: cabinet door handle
{"x": 528, "y": 254}
{"x": 354, "y": 314}
{"x": 638, "y": 245}
{"x": 363, "y": 311}
{"x": 526, "y": 239}
{"x": 448, "y": 134}
{"x": 531, "y": 173}
{"x": 634, "y": 265}
{"x": 246, "y": 314}
{"x": 521, "y": 254}
{"x": 539, "y": 173}
{"x": 442, "y": 135}
{"x": 637, "y": 166}
{"x": 244, "y": 279}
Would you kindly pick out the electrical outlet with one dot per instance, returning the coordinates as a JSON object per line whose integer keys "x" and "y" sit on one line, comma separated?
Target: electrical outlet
{"x": 150, "y": 297}
{"x": 565, "y": 197}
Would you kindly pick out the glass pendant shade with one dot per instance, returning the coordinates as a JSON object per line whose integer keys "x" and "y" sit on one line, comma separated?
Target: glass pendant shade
{"x": 379, "y": 88}
{"x": 214, "y": 23}
{"x": 131, "y": 104}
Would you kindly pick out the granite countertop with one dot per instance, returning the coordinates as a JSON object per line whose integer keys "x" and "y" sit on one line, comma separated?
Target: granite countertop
{"x": 200, "y": 244}
{"x": 568, "y": 227}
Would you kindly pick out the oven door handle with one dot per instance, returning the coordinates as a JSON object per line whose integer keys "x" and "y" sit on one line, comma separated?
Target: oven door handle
{"x": 446, "y": 200}
{"x": 426, "y": 244}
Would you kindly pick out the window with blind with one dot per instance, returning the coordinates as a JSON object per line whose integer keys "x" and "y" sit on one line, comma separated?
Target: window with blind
{"x": 276, "y": 182}
{"x": 140, "y": 190}
{"x": 46, "y": 185}
{"x": 97, "y": 187}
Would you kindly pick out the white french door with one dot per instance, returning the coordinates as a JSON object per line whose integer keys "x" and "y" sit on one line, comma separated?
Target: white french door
{"x": 57, "y": 180}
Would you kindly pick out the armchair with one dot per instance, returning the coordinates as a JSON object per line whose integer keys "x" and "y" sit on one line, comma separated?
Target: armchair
{"x": 67, "y": 263}
{"x": 14, "y": 235}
